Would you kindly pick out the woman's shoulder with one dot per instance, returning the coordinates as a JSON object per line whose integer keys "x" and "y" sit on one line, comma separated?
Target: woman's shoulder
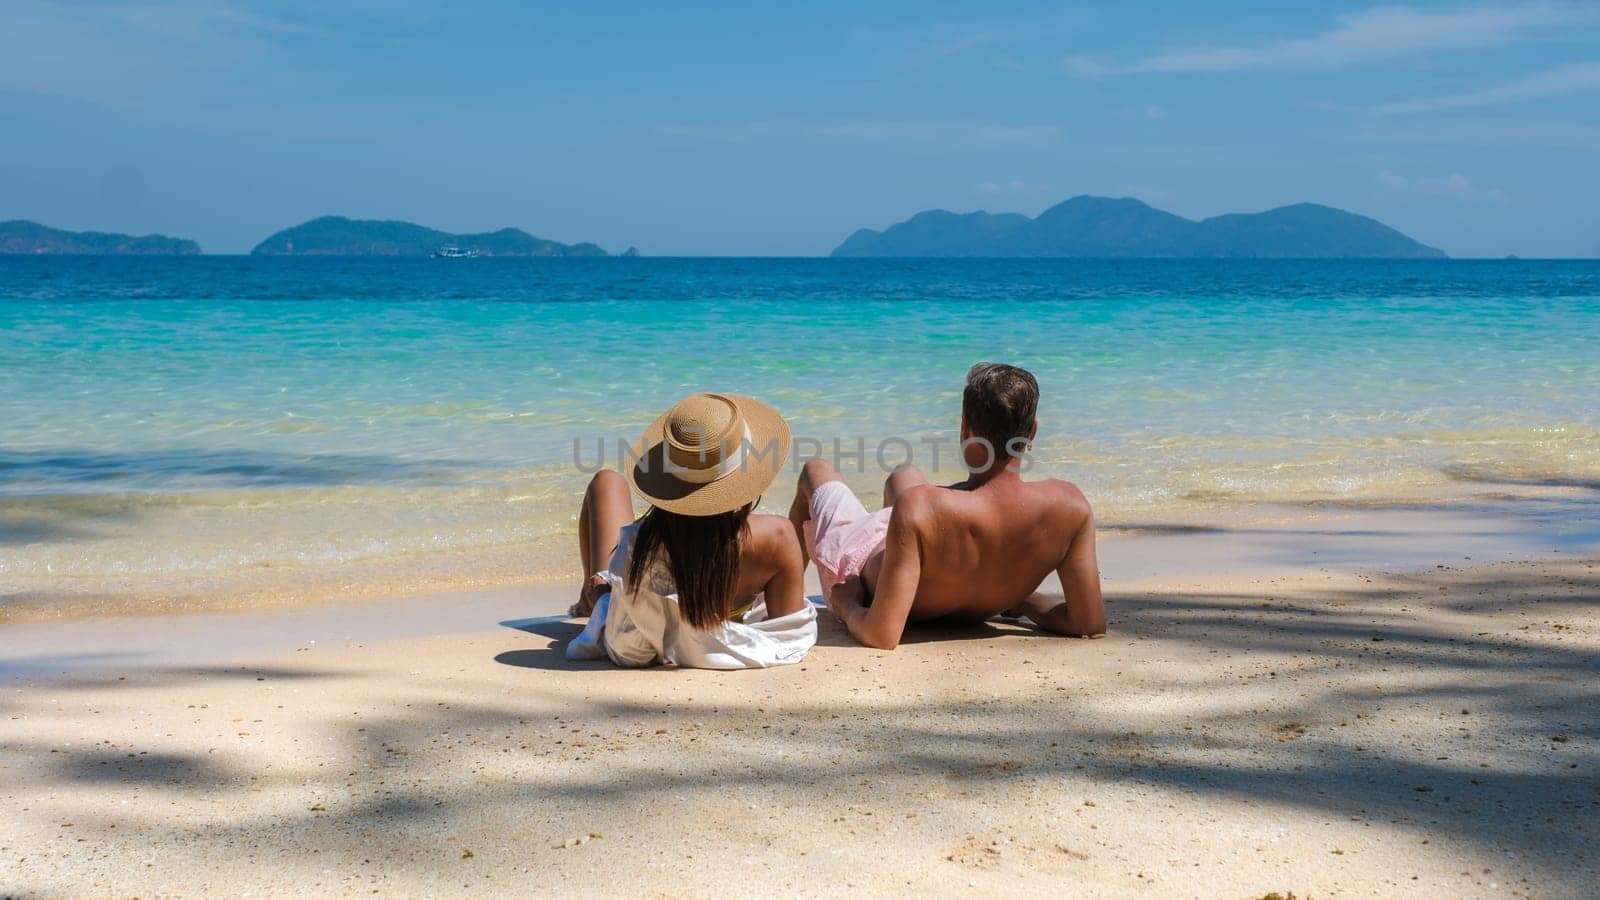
{"x": 773, "y": 538}
{"x": 772, "y": 528}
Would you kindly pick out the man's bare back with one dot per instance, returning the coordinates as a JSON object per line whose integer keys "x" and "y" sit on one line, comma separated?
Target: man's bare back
{"x": 969, "y": 551}
{"x": 972, "y": 551}
{"x": 985, "y": 550}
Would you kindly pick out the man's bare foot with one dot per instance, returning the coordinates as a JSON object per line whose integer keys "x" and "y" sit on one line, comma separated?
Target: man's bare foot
{"x": 588, "y": 596}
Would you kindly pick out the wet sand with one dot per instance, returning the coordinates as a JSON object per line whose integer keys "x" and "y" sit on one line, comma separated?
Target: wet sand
{"x": 1472, "y": 519}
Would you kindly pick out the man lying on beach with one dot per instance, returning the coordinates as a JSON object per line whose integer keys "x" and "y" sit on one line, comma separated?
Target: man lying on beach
{"x": 960, "y": 553}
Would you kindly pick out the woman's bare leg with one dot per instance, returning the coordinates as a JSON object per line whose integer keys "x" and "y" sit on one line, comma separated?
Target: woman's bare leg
{"x": 607, "y": 507}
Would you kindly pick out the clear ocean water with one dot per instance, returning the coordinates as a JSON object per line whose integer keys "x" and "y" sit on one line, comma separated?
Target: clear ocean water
{"x": 171, "y": 428}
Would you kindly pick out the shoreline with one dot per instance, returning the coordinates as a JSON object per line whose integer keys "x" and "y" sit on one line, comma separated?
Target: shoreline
{"x": 1512, "y": 520}
{"x": 1275, "y": 542}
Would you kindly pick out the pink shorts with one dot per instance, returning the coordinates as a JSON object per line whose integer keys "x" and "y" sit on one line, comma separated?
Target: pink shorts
{"x": 841, "y": 534}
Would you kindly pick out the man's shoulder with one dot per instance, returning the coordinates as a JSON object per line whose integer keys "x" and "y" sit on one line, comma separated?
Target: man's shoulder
{"x": 918, "y": 505}
{"x": 1059, "y": 489}
{"x": 926, "y": 506}
{"x": 1064, "y": 503}
{"x": 927, "y": 503}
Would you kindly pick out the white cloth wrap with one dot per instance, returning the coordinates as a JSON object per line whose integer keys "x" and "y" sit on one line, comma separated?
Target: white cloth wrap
{"x": 637, "y": 626}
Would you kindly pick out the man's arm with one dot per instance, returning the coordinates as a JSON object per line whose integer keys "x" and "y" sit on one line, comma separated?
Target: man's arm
{"x": 1082, "y": 613}
{"x": 883, "y": 623}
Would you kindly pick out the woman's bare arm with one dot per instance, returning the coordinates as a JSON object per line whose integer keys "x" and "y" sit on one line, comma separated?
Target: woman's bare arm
{"x": 785, "y": 591}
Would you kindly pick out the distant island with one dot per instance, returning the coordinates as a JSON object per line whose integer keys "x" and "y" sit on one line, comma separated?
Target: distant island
{"x": 20, "y": 237}
{"x": 339, "y": 236}
{"x": 1088, "y": 226}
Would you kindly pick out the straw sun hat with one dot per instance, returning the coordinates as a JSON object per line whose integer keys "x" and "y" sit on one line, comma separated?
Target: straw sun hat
{"x": 709, "y": 454}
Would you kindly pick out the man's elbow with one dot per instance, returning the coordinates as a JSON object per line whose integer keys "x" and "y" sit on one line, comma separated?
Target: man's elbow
{"x": 1091, "y": 627}
{"x": 878, "y": 639}
{"x": 1077, "y": 626}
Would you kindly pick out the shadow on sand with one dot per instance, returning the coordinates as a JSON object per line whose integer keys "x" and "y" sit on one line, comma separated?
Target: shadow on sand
{"x": 1502, "y": 753}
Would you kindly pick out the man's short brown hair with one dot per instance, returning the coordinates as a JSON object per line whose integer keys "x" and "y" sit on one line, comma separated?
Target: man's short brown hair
{"x": 1000, "y": 404}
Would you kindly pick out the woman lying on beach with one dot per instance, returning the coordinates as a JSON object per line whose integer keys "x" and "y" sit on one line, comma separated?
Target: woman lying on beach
{"x": 698, "y": 580}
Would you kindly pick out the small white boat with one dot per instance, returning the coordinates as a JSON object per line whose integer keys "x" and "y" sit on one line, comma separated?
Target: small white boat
{"x": 455, "y": 253}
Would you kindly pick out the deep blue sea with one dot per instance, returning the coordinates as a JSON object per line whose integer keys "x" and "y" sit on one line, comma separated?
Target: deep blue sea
{"x": 167, "y": 424}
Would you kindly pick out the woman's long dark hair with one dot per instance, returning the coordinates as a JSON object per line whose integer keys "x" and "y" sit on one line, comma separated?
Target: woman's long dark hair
{"x": 702, "y": 555}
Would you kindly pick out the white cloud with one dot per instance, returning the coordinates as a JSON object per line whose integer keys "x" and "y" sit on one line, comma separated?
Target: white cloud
{"x": 125, "y": 54}
{"x": 957, "y": 42}
{"x": 1578, "y": 76}
{"x": 1499, "y": 132}
{"x": 1455, "y": 187}
{"x": 940, "y": 133}
{"x": 1011, "y": 187}
{"x": 733, "y": 133}
{"x": 1379, "y": 33}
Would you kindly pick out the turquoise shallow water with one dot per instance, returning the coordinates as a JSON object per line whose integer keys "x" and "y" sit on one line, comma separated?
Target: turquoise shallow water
{"x": 209, "y": 414}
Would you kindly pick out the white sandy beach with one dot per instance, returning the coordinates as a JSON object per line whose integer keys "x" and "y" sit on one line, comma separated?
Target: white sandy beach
{"x": 1327, "y": 729}
{"x": 346, "y": 347}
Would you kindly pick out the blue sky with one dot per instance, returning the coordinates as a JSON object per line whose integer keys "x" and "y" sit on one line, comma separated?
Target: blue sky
{"x": 697, "y": 129}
